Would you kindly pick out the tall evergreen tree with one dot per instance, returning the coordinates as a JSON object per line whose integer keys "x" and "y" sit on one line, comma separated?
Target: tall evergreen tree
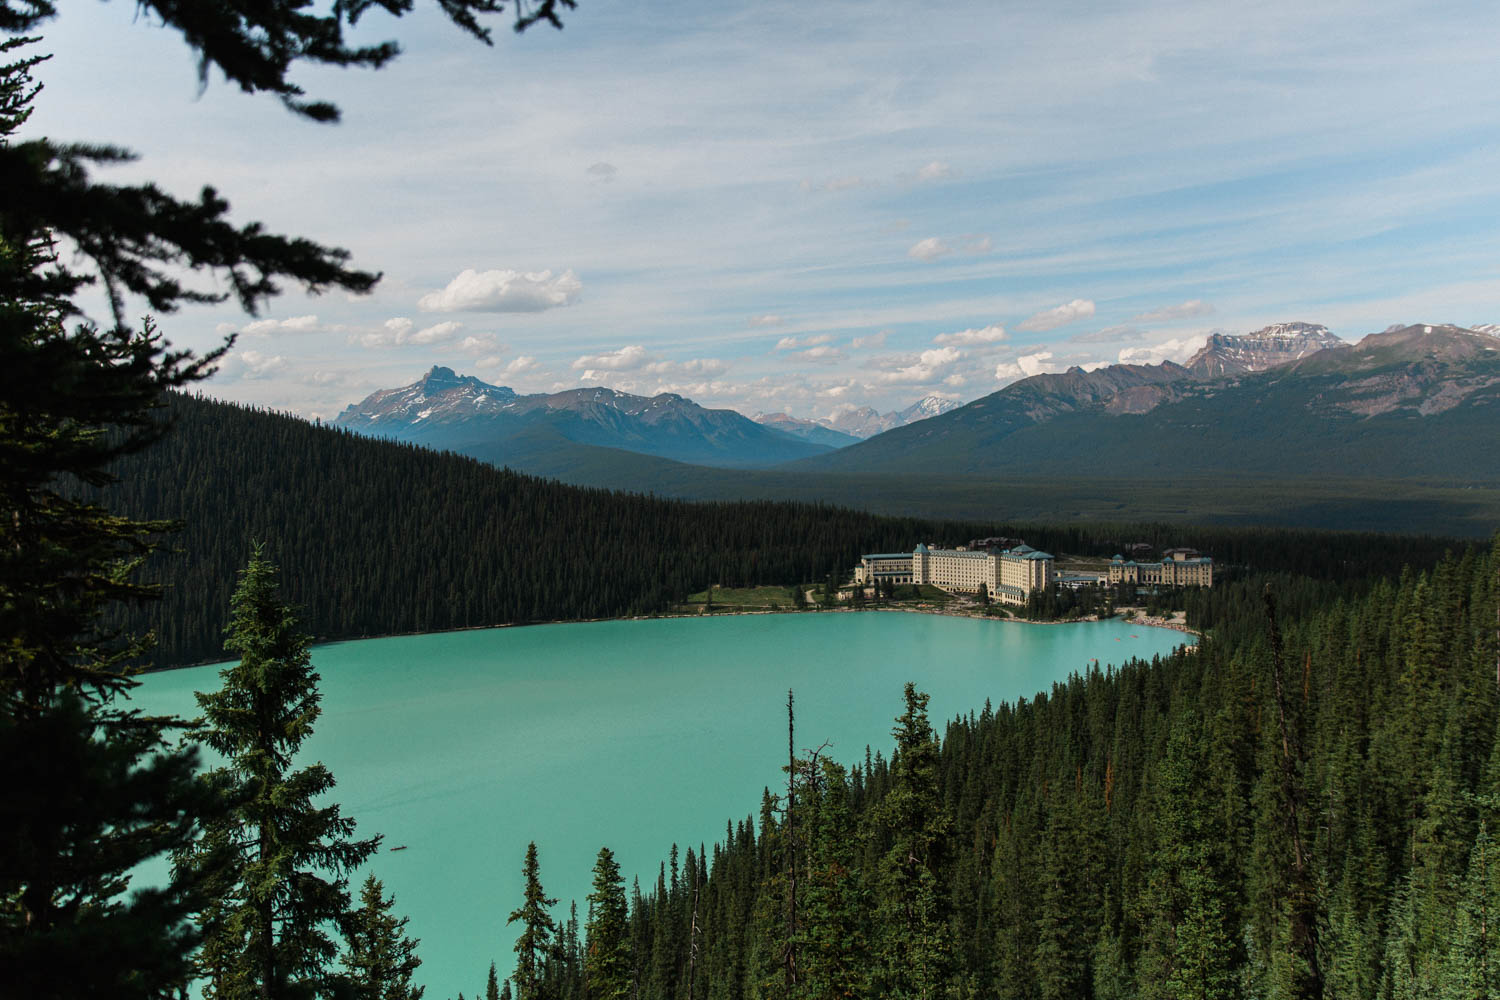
{"x": 381, "y": 959}
{"x": 1473, "y": 966}
{"x": 538, "y": 929}
{"x": 915, "y": 944}
{"x": 285, "y": 880}
{"x": 606, "y": 967}
{"x": 90, "y": 789}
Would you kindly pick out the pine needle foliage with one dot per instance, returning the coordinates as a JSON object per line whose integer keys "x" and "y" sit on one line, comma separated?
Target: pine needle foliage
{"x": 91, "y": 788}
{"x": 278, "y": 861}
{"x": 380, "y": 959}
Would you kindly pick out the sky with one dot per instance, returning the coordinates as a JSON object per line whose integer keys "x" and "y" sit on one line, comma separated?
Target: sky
{"x": 807, "y": 207}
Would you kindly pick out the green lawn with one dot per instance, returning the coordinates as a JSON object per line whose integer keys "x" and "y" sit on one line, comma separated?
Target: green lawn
{"x": 745, "y": 597}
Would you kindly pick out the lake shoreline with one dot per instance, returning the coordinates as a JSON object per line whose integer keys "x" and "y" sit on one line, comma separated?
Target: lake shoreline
{"x": 966, "y": 612}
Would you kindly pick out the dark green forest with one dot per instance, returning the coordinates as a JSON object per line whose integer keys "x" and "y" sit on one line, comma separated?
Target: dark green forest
{"x": 1305, "y": 806}
{"x": 377, "y": 538}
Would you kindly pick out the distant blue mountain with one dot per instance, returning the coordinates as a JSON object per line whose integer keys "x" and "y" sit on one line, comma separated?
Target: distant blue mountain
{"x": 494, "y": 423}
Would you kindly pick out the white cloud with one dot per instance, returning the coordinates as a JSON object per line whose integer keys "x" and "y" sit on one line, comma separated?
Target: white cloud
{"x": 929, "y": 249}
{"x": 793, "y": 343}
{"x": 699, "y": 391}
{"x": 1178, "y": 349}
{"x": 1167, "y": 314}
{"x": 934, "y": 247}
{"x": 1029, "y": 364}
{"x": 626, "y": 359}
{"x": 398, "y": 332}
{"x": 250, "y": 365}
{"x": 992, "y": 334}
{"x": 522, "y": 364}
{"x": 478, "y": 344}
{"x": 935, "y": 171}
{"x": 926, "y": 367}
{"x": 1051, "y": 319}
{"x": 602, "y": 172}
{"x": 838, "y": 391}
{"x": 824, "y": 355}
{"x": 261, "y": 327}
{"x": 873, "y": 340}
{"x": 769, "y": 319}
{"x": 1108, "y": 335}
{"x": 435, "y": 334}
{"x": 503, "y": 291}
{"x": 693, "y": 366}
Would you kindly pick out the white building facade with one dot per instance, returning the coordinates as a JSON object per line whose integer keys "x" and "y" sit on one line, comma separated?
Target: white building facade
{"x": 1178, "y": 568}
{"x": 1009, "y": 576}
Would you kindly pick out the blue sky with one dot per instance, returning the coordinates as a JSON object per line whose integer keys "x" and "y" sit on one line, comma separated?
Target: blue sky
{"x": 785, "y": 206}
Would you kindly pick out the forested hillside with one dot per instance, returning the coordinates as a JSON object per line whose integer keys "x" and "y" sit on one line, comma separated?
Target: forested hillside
{"x": 1306, "y": 806}
{"x": 377, "y": 538}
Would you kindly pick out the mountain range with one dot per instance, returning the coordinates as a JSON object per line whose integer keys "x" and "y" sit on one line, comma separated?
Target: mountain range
{"x": 856, "y": 423}
{"x": 553, "y": 432}
{"x": 1412, "y": 401}
{"x": 1290, "y": 401}
{"x": 493, "y": 423}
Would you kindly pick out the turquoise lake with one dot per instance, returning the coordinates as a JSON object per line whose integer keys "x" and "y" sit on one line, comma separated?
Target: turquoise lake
{"x": 464, "y": 746}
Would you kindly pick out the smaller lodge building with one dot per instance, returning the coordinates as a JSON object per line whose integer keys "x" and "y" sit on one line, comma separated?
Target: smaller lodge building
{"x": 1178, "y": 568}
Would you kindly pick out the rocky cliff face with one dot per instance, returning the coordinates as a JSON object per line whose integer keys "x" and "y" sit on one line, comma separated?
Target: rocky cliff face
{"x": 1116, "y": 389}
{"x": 439, "y": 396}
{"x": 1279, "y": 344}
{"x": 1423, "y": 369}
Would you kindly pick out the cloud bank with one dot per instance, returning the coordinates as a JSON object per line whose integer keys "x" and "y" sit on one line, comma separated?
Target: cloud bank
{"x": 504, "y": 292}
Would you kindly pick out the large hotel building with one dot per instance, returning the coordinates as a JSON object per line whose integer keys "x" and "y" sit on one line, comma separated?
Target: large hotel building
{"x": 1009, "y": 576}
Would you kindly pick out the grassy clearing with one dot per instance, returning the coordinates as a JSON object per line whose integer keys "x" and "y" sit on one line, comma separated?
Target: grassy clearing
{"x": 745, "y": 597}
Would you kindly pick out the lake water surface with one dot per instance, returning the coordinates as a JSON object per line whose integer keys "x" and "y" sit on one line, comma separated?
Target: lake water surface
{"x": 634, "y": 735}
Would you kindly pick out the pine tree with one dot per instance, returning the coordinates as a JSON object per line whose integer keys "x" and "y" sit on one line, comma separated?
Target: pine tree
{"x": 91, "y": 791}
{"x": 606, "y": 966}
{"x": 537, "y": 931}
{"x": 1472, "y": 970}
{"x": 835, "y": 956}
{"x": 285, "y": 881}
{"x": 915, "y": 945}
{"x": 492, "y": 985}
{"x": 381, "y": 959}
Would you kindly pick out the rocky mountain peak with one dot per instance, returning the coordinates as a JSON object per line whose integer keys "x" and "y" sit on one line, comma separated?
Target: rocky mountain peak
{"x": 928, "y": 406}
{"x": 1268, "y": 347}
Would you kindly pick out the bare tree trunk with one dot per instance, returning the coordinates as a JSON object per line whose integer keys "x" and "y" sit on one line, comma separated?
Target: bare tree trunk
{"x": 791, "y": 845}
{"x": 693, "y": 940}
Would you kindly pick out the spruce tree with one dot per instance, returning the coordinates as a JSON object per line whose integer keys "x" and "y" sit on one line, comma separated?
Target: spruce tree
{"x": 606, "y": 965}
{"x": 915, "y": 944}
{"x": 537, "y": 931}
{"x": 91, "y": 791}
{"x": 1472, "y": 969}
{"x": 381, "y": 959}
{"x": 285, "y": 880}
